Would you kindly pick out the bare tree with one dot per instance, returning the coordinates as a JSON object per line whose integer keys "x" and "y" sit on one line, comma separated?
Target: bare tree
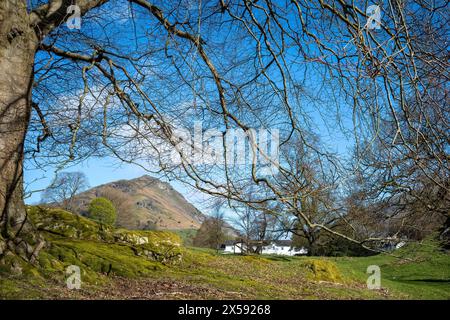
{"x": 212, "y": 231}
{"x": 63, "y": 189}
{"x": 124, "y": 82}
{"x": 317, "y": 206}
{"x": 257, "y": 226}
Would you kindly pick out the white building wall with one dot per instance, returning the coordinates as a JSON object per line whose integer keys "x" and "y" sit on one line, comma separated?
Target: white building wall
{"x": 237, "y": 248}
{"x": 270, "y": 249}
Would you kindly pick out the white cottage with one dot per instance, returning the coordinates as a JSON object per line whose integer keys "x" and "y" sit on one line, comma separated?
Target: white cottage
{"x": 277, "y": 247}
{"x": 231, "y": 246}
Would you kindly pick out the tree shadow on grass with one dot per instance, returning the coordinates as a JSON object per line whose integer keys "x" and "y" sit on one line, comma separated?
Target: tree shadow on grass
{"x": 429, "y": 280}
{"x": 277, "y": 258}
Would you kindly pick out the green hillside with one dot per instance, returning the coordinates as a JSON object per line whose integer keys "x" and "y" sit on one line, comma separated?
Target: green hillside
{"x": 119, "y": 264}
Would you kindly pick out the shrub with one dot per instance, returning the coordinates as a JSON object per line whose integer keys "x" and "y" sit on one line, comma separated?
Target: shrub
{"x": 102, "y": 210}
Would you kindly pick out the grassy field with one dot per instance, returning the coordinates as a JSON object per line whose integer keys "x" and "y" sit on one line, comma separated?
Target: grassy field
{"x": 419, "y": 271}
{"x": 427, "y": 276}
{"x": 242, "y": 277}
{"x": 187, "y": 235}
{"x": 115, "y": 271}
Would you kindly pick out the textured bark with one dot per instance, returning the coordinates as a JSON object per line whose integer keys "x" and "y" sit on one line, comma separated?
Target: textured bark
{"x": 18, "y": 44}
{"x": 20, "y": 33}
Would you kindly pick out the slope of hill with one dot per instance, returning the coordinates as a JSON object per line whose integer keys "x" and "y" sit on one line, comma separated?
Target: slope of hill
{"x": 122, "y": 264}
{"x": 153, "y": 203}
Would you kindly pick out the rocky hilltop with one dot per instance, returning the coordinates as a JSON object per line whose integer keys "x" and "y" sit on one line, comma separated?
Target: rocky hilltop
{"x": 152, "y": 202}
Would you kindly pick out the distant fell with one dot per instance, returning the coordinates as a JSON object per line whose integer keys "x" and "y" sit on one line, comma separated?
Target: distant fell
{"x": 152, "y": 202}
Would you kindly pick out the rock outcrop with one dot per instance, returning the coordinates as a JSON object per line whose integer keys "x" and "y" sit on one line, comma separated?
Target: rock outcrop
{"x": 59, "y": 225}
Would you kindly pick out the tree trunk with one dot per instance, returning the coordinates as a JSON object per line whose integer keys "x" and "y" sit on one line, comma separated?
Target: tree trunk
{"x": 312, "y": 244}
{"x": 18, "y": 45}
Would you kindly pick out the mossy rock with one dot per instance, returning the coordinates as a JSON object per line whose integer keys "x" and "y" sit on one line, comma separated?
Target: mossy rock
{"x": 73, "y": 239}
{"x": 12, "y": 264}
{"x": 66, "y": 224}
{"x": 97, "y": 258}
{"x": 162, "y": 246}
{"x": 323, "y": 270}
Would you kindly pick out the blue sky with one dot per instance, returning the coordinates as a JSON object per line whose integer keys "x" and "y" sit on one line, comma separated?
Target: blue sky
{"x": 104, "y": 170}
